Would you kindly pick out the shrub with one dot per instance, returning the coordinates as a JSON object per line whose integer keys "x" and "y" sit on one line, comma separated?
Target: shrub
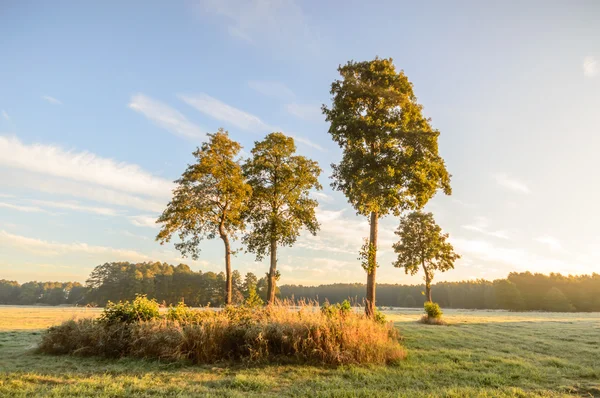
{"x": 140, "y": 309}
{"x": 433, "y": 310}
{"x": 333, "y": 310}
{"x": 247, "y": 334}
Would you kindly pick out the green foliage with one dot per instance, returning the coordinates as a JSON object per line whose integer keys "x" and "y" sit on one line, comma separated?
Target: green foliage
{"x": 182, "y": 313}
{"x": 338, "y": 309}
{"x": 281, "y": 184}
{"x": 209, "y": 201}
{"x": 281, "y": 204}
{"x": 379, "y": 317}
{"x": 253, "y": 299}
{"x": 432, "y": 310}
{"x": 556, "y": 301}
{"x": 368, "y": 256}
{"x": 390, "y": 159}
{"x": 508, "y": 296}
{"x": 423, "y": 245}
{"x": 140, "y": 309}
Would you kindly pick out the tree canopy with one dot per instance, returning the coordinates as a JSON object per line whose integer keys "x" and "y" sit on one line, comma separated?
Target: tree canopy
{"x": 209, "y": 201}
{"x": 390, "y": 160}
{"x": 281, "y": 204}
{"x": 423, "y": 245}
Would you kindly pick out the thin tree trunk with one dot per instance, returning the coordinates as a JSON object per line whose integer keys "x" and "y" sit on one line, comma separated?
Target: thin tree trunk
{"x": 370, "y": 302}
{"x": 272, "y": 273}
{"x": 427, "y": 284}
{"x": 228, "y": 279}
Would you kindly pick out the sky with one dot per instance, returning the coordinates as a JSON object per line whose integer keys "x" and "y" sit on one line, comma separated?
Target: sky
{"x": 103, "y": 103}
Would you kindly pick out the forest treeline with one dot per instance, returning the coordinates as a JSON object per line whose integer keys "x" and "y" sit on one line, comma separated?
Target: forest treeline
{"x": 171, "y": 284}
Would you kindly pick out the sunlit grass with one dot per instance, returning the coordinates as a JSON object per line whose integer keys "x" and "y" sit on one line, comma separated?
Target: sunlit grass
{"x": 480, "y": 353}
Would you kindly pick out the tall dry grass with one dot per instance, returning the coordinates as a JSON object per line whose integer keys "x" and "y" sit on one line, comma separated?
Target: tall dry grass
{"x": 275, "y": 333}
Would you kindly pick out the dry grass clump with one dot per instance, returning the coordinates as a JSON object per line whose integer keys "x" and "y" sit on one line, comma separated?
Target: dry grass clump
{"x": 329, "y": 335}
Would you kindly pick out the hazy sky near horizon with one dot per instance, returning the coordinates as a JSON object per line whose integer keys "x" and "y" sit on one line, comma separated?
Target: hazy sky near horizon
{"x": 102, "y": 104}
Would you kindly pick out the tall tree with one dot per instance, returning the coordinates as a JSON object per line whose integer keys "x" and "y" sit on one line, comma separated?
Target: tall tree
{"x": 208, "y": 201}
{"x": 390, "y": 159}
{"x": 423, "y": 245}
{"x": 281, "y": 205}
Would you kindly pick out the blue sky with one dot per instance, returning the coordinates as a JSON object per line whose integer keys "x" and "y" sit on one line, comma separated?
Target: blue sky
{"x": 102, "y": 104}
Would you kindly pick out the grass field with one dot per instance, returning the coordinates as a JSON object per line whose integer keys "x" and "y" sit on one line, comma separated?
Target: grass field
{"x": 480, "y": 353}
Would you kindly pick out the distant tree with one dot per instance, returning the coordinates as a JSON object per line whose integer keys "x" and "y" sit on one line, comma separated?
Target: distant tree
{"x": 556, "y": 301}
{"x": 508, "y": 297}
{"x": 208, "y": 201}
{"x": 390, "y": 159}
{"x": 9, "y": 291}
{"x": 250, "y": 282}
{"x": 281, "y": 182}
{"x": 423, "y": 245}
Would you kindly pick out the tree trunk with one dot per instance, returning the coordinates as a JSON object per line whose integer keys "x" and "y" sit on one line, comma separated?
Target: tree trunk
{"x": 427, "y": 284}
{"x": 228, "y": 279}
{"x": 370, "y": 301}
{"x": 272, "y": 273}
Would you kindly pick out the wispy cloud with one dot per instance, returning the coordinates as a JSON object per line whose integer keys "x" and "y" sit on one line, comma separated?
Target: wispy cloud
{"x": 591, "y": 66}
{"x": 48, "y": 248}
{"x": 274, "y": 22}
{"x": 272, "y": 89}
{"x": 481, "y": 225}
{"x": 144, "y": 221}
{"x": 221, "y": 111}
{"x": 309, "y": 112}
{"x": 164, "y": 116}
{"x": 511, "y": 183}
{"x": 26, "y": 209}
{"x": 104, "y": 211}
{"x": 307, "y": 142}
{"x": 81, "y": 166}
{"x": 321, "y": 196}
{"x": 52, "y": 100}
{"x": 228, "y": 114}
{"x": 58, "y": 186}
{"x": 5, "y": 116}
{"x": 549, "y": 241}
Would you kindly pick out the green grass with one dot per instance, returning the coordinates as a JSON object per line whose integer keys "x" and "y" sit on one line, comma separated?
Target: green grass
{"x": 480, "y": 353}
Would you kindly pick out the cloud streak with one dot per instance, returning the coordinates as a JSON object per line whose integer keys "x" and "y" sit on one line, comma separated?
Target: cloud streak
{"x": 103, "y": 211}
{"x": 164, "y": 116}
{"x": 81, "y": 166}
{"x": 48, "y": 248}
{"x": 52, "y": 100}
{"x": 511, "y": 184}
{"x": 223, "y": 112}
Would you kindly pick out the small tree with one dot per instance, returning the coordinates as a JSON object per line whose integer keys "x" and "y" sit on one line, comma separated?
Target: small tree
{"x": 423, "y": 245}
{"x": 281, "y": 205}
{"x": 390, "y": 159}
{"x": 208, "y": 201}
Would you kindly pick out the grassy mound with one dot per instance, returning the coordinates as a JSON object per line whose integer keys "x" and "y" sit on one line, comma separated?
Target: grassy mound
{"x": 328, "y": 335}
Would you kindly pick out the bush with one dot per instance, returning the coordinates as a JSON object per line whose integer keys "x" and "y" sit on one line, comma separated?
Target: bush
{"x": 333, "y": 310}
{"x": 140, "y": 309}
{"x": 247, "y": 334}
{"x": 433, "y": 310}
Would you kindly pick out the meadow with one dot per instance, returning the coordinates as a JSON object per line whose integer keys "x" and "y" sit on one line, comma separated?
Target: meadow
{"x": 480, "y": 353}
